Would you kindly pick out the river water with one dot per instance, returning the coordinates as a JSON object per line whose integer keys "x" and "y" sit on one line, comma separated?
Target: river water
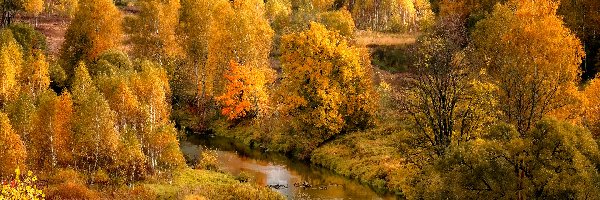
{"x": 292, "y": 178}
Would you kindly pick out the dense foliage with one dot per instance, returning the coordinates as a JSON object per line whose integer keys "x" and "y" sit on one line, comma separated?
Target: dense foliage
{"x": 326, "y": 87}
{"x": 497, "y": 98}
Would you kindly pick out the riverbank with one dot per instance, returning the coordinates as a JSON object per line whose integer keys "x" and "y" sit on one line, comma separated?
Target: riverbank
{"x": 293, "y": 178}
{"x": 371, "y": 157}
{"x": 182, "y": 183}
{"x": 205, "y": 184}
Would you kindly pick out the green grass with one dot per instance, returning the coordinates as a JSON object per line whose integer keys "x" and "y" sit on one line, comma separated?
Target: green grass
{"x": 372, "y": 157}
{"x": 208, "y": 184}
{"x": 393, "y": 59}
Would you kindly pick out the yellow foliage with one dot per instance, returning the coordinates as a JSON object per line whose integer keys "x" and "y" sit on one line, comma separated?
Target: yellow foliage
{"x": 36, "y": 77}
{"x": 391, "y": 15}
{"x": 52, "y": 127}
{"x": 11, "y": 61}
{"x": 592, "y": 111}
{"x": 12, "y": 149}
{"x": 326, "y": 84}
{"x": 67, "y": 7}
{"x": 34, "y": 7}
{"x": 532, "y": 57}
{"x": 239, "y": 32}
{"x": 340, "y": 20}
{"x": 153, "y": 31}
{"x": 95, "y": 29}
{"x": 21, "y": 188}
{"x": 95, "y": 137}
{"x": 195, "y": 19}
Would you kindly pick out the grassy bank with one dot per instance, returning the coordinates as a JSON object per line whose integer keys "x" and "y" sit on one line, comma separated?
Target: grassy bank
{"x": 184, "y": 183}
{"x": 203, "y": 184}
{"x": 369, "y": 156}
{"x": 372, "y": 156}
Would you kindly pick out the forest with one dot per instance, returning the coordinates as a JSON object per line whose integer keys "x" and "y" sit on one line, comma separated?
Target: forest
{"x": 408, "y": 99}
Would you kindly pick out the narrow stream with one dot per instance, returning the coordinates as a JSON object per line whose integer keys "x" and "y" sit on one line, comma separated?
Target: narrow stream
{"x": 292, "y": 178}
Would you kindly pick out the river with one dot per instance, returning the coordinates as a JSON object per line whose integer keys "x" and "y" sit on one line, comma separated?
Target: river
{"x": 292, "y": 178}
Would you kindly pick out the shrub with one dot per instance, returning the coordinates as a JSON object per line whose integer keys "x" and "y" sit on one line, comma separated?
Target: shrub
{"x": 208, "y": 160}
{"x": 21, "y": 187}
{"x": 115, "y": 58}
{"x": 100, "y": 177}
{"x": 71, "y": 190}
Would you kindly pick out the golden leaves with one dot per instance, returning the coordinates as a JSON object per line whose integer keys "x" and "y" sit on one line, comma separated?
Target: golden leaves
{"x": 532, "y": 58}
{"x": 239, "y": 33}
{"x": 325, "y": 83}
{"x": 153, "y": 31}
{"x": 95, "y": 29}
{"x": 13, "y": 150}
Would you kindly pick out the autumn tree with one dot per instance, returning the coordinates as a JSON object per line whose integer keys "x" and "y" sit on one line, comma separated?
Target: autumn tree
{"x": 447, "y": 97}
{"x": 12, "y": 149}
{"x": 194, "y": 30}
{"x": 95, "y": 28}
{"x": 326, "y": 86}
{"x": 130, "y": 163}
{"x": 66, "y": 8}
{"x": 36, "y": 77}
{"x": 21, "y": 113}
{"x": 278, "y": 13}
{"x": 111, "y": 62}
{"x": 340, "y": 20}
{"x": 153, "y": 30}
{"x": 239, "y": 32}
{"x": 95, "y": 134}
{"x": 158, "y": 136}
{"x": 34, "y": 7}
{"x": 11, "y": 7}
{"x": 243, "y": 96}
{"x": 592, "y": 111}
{"x": 553, "y": 160}
{"x": 532, "y": 58}
{"x": 28, "y": 38}
{"x": 390, "y": 15}
{"x": 469, "y": 11}
{"x": 51, "y": 143}
{"x": 11, "y": 61}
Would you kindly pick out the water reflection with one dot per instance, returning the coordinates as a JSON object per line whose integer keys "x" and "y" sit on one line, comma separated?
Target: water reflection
{"x": 294, "y": 179}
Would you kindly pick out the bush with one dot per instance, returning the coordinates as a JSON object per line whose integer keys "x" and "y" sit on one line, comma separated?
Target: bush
{"x": 100, "y": 177}
{"x": 116, "y": 58}
{"x": 71, "y": 190}
{"x": 207, "y": 160}
{"x": 64, "y": 175}
{"x": 21, "y": 187}
{"x": 69, "y": 184}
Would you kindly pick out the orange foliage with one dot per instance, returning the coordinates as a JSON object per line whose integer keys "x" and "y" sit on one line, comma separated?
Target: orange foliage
{"x": 12, "y": 149}
{"x": 236, "y": 100}
{"x": 592, "y": 113}
{"x": 52, "y": 125}
{"x": 95, "y": 29}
